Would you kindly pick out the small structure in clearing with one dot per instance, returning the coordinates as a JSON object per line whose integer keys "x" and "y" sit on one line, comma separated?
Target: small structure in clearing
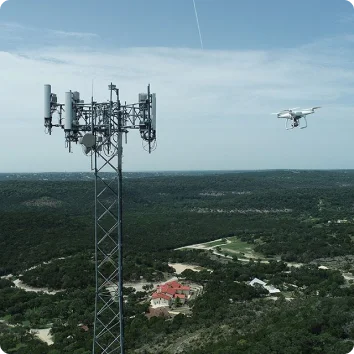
{"x": 271, "y": 289}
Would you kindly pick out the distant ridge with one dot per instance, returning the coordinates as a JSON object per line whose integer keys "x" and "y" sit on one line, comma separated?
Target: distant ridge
{"x": 87, "y": 176}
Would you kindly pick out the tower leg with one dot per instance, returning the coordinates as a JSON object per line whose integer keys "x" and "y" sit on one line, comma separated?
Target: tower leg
{"x": 108, "y": 327}
{"x": 120, "y": 234}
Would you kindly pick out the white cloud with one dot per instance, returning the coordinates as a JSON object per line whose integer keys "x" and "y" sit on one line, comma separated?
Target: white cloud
{"x": 79, "y": 35}
{"x": 213, "y": 106}
{"x": 11, "y": 33}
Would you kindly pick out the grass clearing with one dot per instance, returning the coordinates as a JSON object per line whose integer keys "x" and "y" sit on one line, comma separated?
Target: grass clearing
{"x": 238, "y": 247}
{"x": 232, "y": 246}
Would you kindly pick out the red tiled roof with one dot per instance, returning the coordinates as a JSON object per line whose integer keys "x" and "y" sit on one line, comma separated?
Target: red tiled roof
{"x": 174, "y": 284}
{"x": 161, "y": 296}
{"x": 163, "y": 288}
{"x": 185, "y": 288}
{"x": 170, "y": 288}
{"x": 170, "y": 291}
{"x": 181, "y": 296}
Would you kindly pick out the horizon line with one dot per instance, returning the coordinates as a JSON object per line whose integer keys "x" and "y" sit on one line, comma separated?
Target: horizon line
{"x": 211, "y": 170}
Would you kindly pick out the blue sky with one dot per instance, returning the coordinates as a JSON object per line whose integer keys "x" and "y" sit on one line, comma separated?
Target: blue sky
{"x": 225, "y": 24}
{"x": 214, "y": 104}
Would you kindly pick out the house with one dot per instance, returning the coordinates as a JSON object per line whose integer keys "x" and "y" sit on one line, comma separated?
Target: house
{"x": 173, "y": 284}
{"x": 173, "y": 287}
{"x": 159, "y": 300}
{"x": 257, "y": 281}
{"x": 169, "y": 292}
{"x": 271, "y": 289}
{"x": 185, "y": 290}
{"x": 181, "y": 297}
{"x": 179, "y": 288}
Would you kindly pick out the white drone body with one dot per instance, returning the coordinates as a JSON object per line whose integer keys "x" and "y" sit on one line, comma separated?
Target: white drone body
{"x": 294, "y": 115}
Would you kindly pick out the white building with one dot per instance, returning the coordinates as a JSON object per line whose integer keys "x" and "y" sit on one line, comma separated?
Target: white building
{"x": 257, "y": 281}
{"x": 270, "y": 288}
{"x": 161, "y": 300}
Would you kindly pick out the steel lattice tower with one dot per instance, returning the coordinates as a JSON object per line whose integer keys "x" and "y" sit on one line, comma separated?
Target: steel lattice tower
{"x": 99, "y": 127}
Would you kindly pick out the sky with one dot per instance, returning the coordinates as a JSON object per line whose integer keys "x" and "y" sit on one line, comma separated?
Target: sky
{"x": 214, "y": 104}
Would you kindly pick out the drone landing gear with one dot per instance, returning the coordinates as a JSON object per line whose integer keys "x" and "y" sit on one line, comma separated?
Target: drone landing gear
{"x": 305, "y": 123}
{"x": 292, "y": 123}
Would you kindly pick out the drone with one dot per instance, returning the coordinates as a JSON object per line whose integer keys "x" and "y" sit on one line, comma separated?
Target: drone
{"x": 293, "y": 116}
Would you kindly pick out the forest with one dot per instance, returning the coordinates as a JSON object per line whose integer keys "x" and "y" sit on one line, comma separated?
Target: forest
{"x": 47, "y": 240}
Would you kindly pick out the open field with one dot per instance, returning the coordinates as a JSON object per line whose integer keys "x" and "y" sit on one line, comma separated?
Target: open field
{"x": 230, "y": 246}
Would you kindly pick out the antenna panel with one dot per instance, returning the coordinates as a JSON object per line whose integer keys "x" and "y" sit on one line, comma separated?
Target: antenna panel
{"x": 76, "y": 96}
{"x": 47, "y": 101}
{"x": 68, "y": 111}
{"x": 143, "y": 97}
{"x": 153, "y": 112}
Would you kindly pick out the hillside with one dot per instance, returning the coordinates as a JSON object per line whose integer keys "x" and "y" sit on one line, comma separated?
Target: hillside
{"x": 284, "y": 216}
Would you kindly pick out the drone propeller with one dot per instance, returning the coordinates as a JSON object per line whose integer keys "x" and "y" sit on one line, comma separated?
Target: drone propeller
{"x": 288, "y": 110}
{"x": 310, "y": 109}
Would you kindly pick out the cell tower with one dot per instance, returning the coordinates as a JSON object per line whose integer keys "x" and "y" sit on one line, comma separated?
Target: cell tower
{"x": 99, "y": 128}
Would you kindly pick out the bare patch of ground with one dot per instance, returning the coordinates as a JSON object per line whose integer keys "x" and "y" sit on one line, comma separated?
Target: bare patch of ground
{"x": 43, "y": 335}
{"x": 19, "y": 284}
{"x": 138, "y": 286}
{"x": 180, "y": 267}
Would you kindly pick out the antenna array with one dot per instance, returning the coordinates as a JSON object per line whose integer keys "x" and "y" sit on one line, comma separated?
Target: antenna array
{"x": 99, "y": 128}
{"x": 101, "y": 122}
